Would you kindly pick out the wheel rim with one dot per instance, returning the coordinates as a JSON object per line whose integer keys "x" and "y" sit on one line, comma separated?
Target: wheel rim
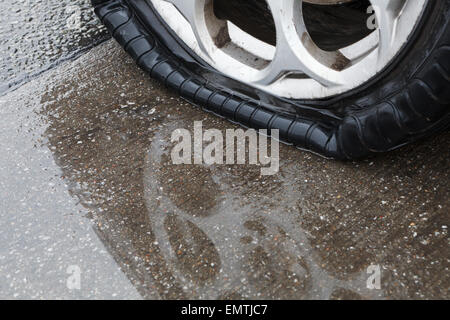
{"x": 296, "y": 67}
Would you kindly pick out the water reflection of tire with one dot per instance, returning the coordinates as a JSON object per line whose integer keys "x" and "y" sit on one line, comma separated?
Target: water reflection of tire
{"x": 228, "y": 251}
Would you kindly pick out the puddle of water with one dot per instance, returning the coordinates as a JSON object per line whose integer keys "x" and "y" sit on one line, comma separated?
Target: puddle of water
{"x": 225, "y": 232}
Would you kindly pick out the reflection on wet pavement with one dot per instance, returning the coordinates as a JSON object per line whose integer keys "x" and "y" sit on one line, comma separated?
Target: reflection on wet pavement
{"x": 36, "y": 33}
{"x": 224, "y": 231}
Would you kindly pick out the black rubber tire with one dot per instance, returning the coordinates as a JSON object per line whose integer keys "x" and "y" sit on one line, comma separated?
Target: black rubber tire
{"x": 409, "y": 100}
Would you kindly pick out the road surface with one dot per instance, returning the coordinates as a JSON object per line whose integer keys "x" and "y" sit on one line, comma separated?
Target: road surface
{"x": 87, "y": 180}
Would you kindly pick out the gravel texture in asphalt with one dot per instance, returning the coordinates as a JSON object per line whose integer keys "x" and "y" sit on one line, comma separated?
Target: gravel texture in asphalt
{"x": 87, "y": 179}
{"x": 36, "y": 34}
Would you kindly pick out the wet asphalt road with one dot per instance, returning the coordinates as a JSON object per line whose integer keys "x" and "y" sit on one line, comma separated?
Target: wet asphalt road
{"x": 37, "y": 34}
{"x": 88, "y": 144}
{"x": 86, "y": 180}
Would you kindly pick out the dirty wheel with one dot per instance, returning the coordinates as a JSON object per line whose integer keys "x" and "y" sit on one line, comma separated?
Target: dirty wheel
{"x": 343, "y": 78}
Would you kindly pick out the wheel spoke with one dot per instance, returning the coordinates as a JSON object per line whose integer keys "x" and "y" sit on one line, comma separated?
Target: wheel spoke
{"x": 295, "y": 50}
{"x": 209, "y": 31}
{"x": 292, "y": 64}
{"x": 386, "y": 12}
